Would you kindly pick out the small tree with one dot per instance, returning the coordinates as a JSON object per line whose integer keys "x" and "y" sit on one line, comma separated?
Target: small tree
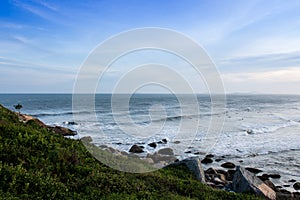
{"x": 18, "y": 107}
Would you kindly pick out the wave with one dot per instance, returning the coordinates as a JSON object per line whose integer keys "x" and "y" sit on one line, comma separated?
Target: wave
{"x": 60, "y": 113}
{"x": 268, "y": 128}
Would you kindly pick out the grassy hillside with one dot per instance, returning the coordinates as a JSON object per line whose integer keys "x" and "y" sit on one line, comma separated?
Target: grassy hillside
{"x": 38, "y": 164}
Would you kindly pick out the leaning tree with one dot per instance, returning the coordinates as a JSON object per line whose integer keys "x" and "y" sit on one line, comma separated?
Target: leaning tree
{"x": 18, "y": 107}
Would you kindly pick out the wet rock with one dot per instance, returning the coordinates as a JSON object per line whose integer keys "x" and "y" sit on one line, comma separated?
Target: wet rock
{"x": 285, "y": 185}
{"x": 206, "y": 160}
{"x": 228, "y": 165}
{"x": 152, "y": 144}
{"x": 197, "y": 153}
{"x": 253, "y": 170}
{"x": 249, "y": 131}
{"x": 209, "y": 156}
{"x": 296, "y": 186}
{"x": 71, "y": 123}
{"x": 275, "y": 176}
{"x": 245, "y": 181}
{"x": 176, "y": 142}
{"x": 218, "y": 159}
{"x": 166, "y": 151}
{"x": 164, "y": 141}
{"x": 136, "y": 149}
{"x": 188, "y": 152}
{"x": 292, "y": 180}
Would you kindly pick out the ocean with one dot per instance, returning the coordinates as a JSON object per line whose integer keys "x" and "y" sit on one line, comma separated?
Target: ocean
{"x": 261, "y": 131}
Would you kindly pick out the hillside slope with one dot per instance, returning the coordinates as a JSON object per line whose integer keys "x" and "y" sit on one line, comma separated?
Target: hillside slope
{"x": 38, "y": 164}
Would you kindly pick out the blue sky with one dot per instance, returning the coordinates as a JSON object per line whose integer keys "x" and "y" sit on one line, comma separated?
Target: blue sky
{"x": 254, "y": 44}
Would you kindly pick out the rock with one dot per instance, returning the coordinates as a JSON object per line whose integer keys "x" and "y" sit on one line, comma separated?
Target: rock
{"x": 136, "y": 149}
{"x": 271, "y": 185}
{"x": 206, "y": 160}
{"x": 211, "y": 171}
{"x": 197, "y": 153}
{"x": 176, "y": 142}
{"x": 218, "y": 159}
{"x": 63, "y": 131}
{"x": 217, "y": 181}
{"x": 245, "y": 181}
{"x": 253, "y": 170}
{"x": 153, "y": 145}
{"x": 195, "y": 166}
{"x": 263, "y": 178}
{"x": 296, "y": 186}
{"x": 157, "y": 158}
{"x": 292, "y": 180}
{"x": 188, "y": 152}
{"x": 71, "y": 123}
{"x": 148, "y": 160}
{"x": 166, "y": 151}
{"x": 275, "y": 176}
{"x": 283, "y": 195}
{"x": 222, "y": 177}
{"x": 209, "y": 156}
{"x": 285, "y": 185}
{"x": 164, "y": 141}
{"x": 249, "y": 131}
{"x": 87, "y": 139}
{"x": 228, "y": 165}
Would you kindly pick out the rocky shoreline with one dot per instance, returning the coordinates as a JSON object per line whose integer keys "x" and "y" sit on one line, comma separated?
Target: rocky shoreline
{"x": 228, "y": 176}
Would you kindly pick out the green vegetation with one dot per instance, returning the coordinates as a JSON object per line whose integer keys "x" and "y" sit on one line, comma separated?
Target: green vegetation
{"x": 38, "y": 164}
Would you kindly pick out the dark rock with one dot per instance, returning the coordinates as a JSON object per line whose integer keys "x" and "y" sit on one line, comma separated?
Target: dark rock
{"x": 206, "y": 160}
{"x": 164, "y": 141}
{"x": 245, "y": 181}
{"x": 153, "y": 145}
{"x": 71, "y": 123}
{"x": 211, "y": 171}
{"x": 197, "y": 153}
{"x": 296, "y": 186}
{"x": 118, "y": 143}
{"x": 176, "y": 142}
{"x": 188, "y": 152}
{"x": 263, "y": 178}
{"x": 166, "y": 151}
{"x": 159, "y": 142}
{"x": 218, "y": 159}
{"x": 284, "y": 191}
{"x": 292, "y": 180}
{"x": 285, "y": 185}
{"x": 209, "y": 156}
{"x": 275, "y": 176}
{"x": 253, "y": 170}
{"x": 228, "y": 165}
{"x": 63, "y": 131}
{"x": 136, "y": 149}
{"x": 249, "y": 131}
{"x": 240, "y": 161}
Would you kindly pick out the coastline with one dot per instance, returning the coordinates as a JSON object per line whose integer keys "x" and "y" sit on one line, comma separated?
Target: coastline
{"x": 219, "y": 171}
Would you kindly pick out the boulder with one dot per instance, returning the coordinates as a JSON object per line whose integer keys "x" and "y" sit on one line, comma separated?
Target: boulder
{"x": 228, "y": 165}
{"x": 245, "y": 181}
{"x": 253, "y": 170}
{"x": 211, "y": 171}
{"x": 136, "y": 149}
{"x": 157, "y": 158}
{"x": 275, "y": 176}
{"x": 164, "y": 141}
{"x": 152, "y": 144}
{"x": 206, "y": 160}
{"x": 296, "y": 186}
{"x": 87, "y": 139}
{"x": 63, "y": 131}
{"x": 194, "y": 165}
{"x": 166, "y": 151}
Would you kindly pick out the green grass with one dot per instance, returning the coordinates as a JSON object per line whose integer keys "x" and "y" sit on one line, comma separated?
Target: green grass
{"x": 38, "y": 164}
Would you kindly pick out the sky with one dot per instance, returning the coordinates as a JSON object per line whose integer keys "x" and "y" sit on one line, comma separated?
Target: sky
{"x": 255, "y": 45}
